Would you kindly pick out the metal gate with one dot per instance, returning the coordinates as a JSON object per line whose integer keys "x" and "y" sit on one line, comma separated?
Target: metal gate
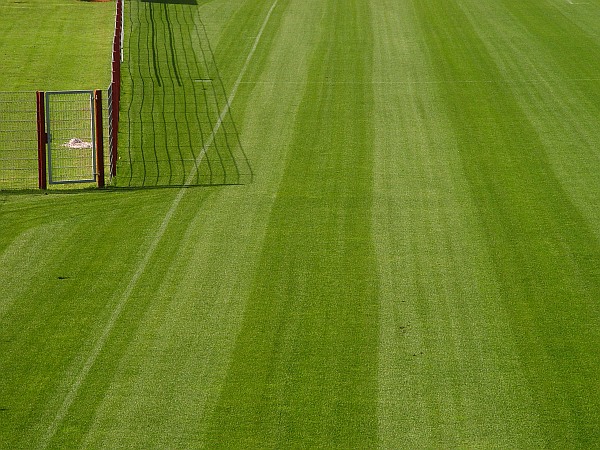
{"x": 71, "y": 137}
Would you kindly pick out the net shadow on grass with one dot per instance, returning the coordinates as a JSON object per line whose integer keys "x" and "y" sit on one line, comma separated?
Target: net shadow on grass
{"x": 174, "y": 131}
{"x": 173, "y": 2}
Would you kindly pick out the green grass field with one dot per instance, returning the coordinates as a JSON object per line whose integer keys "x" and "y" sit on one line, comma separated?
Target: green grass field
{"x": 52, "y": 45}
{"x": 371, "y": 224}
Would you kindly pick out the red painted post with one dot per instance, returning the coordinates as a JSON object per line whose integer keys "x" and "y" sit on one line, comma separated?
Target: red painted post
{"x": 114, "y": 107}
{"x": 42, "y": 139}
{"x": 114, "y": 129}
{"x": 115, "y": 84}
{"x": 99, "y": 136}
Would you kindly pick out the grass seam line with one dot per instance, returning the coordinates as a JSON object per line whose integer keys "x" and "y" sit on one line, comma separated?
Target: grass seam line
{"x": 410, "y": 82}
{"x": 79, "y": 380}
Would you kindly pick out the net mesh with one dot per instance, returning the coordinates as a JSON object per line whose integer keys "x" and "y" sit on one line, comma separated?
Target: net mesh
{"x": 18, "y": 141}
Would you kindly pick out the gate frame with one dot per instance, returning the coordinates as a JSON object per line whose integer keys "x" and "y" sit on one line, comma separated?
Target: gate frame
{"x": 99, "y": 138}
{"x": 47, "y": 96}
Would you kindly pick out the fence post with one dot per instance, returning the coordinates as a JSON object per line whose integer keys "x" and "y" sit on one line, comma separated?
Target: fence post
{"x": 99, "y": 137}
{"x": 42, "y": 139}
{"x": 115, "y": 84}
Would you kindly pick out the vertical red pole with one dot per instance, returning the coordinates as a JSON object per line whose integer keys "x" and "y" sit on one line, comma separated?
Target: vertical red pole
{"x": 116, "y": 95}
{"x": 117, "y": 56}
{"x": 99, "y": 136}
{"x": 113, "y": 106}
{"x": 116, "y": 87}
{"x": 41, "y": 138}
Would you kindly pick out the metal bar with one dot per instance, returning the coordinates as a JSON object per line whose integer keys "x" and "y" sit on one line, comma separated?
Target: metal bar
{"x": 115, "y": 83}
{"x": 60, "y": 169}
{"x": 84, "y": 91}
{"x": 93, "y": 134}
{"x": 42, "y": 139}
{"x": 99, "y": 138}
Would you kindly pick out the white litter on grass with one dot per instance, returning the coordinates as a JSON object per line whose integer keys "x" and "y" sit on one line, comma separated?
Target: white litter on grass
{"x": 77, "y": 143}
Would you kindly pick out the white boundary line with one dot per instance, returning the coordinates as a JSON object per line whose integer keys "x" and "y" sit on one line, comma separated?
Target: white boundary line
{"x": 410, "y": 82}
{"x": 79, "y": 380}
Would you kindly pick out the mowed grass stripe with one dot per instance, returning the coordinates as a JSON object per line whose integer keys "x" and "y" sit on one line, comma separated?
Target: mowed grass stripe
{"x": 448, "y": 373}
{"x": 56, "y": 314}
{"x": 174, "y": 346}
{"x": 564, "y": 114}
{"x": 487, "y": 277}
{"x": 140, "y": 268}
{"x": 304, "y": 370}
{"x": 455, "y": 369}
{"x": 543, "y": 249}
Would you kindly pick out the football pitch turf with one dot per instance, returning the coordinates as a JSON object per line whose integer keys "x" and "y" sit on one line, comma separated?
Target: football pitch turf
{"x": 336, "y": 224}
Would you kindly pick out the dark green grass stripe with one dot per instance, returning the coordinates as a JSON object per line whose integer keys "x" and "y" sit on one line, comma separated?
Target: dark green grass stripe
{"x": 170, "y": 30}
{"x": 545, "y": 255}
{"x": 304, "y": 370}
{"x": 153, "y": 39}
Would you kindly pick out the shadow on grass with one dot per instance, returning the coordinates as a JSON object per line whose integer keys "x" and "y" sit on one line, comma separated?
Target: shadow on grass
{"x": 5, "y": 194}
{"x": 177, "y": 127}
{"x": 173, "y": 2}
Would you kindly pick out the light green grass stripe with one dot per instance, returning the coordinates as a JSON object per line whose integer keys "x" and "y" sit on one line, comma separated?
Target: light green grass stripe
{"x": 164, "y": 367}
{"x": 54, "y": 311}
{"x": 544, "y": 252}
{"x": 304, "y": 368}
{"x": 141, "y": 266}
{"x": 470, "y": 85}
{"x": 448, "y": 373}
